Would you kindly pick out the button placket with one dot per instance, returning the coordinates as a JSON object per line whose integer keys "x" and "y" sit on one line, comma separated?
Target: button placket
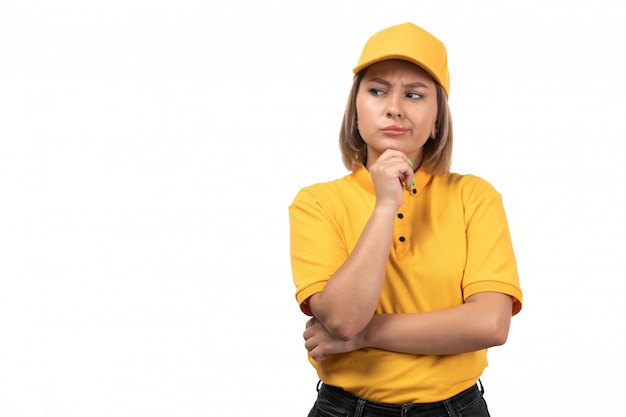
{"x": 401, "y": 234}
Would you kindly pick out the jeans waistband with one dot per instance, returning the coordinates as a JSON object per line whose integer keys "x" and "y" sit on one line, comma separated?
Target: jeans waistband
{"x": 361, "y": 407}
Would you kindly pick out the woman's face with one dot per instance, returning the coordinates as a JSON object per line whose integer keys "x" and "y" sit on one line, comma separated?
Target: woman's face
{"x": 396, "y": 108}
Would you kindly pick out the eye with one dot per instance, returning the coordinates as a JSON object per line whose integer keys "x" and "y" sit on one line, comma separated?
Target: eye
{"x": 376, "y": 91}
{"x": 414, "y": 95}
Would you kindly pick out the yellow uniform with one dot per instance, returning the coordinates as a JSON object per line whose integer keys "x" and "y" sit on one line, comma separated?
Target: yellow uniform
{"x": 451, "y": 240}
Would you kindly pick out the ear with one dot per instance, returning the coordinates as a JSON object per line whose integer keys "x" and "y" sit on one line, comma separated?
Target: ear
{"x": 433, "y": 134}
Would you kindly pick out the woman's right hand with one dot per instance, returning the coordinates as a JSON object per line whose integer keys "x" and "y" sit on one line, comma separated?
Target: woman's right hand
{"x": 390, "y": 173}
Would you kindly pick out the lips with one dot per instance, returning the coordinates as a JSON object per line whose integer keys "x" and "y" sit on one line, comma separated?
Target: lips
{"x": 394, "y": 130}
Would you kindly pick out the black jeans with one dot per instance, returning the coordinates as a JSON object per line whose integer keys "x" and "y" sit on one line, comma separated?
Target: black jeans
{"x": 335, "y": 402}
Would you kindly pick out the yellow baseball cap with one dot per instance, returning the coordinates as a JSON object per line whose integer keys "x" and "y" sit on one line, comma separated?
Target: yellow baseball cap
{"x": 410, "y": 43}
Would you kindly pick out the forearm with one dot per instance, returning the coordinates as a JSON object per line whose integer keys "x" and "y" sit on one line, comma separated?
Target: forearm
{"x": 350, "y": 297}
{"x": 466, "y": 328}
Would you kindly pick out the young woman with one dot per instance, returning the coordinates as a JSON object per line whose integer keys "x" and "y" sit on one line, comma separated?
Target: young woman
{"x": 407, "y": 270}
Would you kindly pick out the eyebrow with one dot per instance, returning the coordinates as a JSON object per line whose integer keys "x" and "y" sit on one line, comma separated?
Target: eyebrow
{"x": 416, "y": 84}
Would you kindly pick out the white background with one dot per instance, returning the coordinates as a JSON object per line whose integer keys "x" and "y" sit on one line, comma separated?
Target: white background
{"x": 149, "y": 151}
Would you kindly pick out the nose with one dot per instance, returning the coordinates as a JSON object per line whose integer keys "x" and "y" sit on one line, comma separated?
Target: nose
{"x": 394, "y": 106}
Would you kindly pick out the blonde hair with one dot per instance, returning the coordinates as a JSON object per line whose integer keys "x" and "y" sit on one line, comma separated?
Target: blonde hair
{"x": 437, "y": 151}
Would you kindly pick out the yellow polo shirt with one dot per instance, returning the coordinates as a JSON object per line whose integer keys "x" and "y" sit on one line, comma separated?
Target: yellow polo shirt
{"x": 451, "y": 240}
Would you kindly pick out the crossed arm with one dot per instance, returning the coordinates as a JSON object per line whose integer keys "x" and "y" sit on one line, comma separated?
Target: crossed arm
{"x": 481, "y": 322}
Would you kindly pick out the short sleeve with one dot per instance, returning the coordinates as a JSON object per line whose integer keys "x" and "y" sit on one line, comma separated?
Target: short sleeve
{"x": 490, "y": 263}
{"x": 317, "y": 246}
